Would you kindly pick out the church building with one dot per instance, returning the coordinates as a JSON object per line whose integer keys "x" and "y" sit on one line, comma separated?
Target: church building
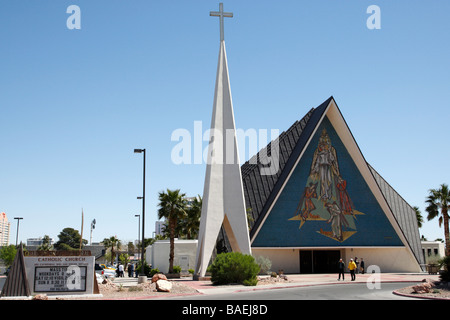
{"x": 326, "y": 202}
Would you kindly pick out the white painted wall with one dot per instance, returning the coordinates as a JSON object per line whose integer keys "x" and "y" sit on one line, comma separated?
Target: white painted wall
{"x": 390, "y": 260}
{"x": 158, "y": 254}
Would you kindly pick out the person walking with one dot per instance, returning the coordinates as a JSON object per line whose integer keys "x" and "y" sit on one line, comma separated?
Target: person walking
{"x": 362, "y": 266}
{"x": 341, "y": 267}
{"x": 131, "y": 270}
{"x": 120, "y": 270}
{"x": 352, "y": 268}
{"x": 357, "y": 264}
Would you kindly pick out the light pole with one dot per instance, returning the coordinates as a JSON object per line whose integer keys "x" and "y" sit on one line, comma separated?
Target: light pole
{"x": 17, "y": 234}
{"x": 139, "y": 224}
{"x": 142, "y": 273}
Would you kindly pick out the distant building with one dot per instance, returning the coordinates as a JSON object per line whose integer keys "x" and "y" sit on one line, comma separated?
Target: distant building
{"x": 432, "y": 248}
{"x": 38, "y": 241}
{"x": 5, "y": 228}
{"x": 159, "y": 227}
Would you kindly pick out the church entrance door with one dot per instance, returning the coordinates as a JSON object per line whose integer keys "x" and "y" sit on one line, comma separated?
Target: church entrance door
{"x": 319, "y": 261}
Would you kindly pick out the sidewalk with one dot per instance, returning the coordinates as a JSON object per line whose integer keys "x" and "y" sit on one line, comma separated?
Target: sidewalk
{"x": 304, "y": 280}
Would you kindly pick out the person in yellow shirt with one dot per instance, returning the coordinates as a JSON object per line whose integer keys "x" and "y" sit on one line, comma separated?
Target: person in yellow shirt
{"x": 352, "y": 268}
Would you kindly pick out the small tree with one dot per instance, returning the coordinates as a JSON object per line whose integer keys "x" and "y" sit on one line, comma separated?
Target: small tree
{"x": 69, "y": 239}
{"x": 124, "y": 258}
{"x": 7, "y": 254}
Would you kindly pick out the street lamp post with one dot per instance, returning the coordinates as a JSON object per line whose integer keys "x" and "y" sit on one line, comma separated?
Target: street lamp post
{"x": 17, "y": 234}
{"x": 142, "y": 273}
{"x": 139, "y": 225}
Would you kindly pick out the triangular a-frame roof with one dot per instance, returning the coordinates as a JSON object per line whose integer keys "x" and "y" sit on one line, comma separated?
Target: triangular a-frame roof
{"x": 262, "y": 191}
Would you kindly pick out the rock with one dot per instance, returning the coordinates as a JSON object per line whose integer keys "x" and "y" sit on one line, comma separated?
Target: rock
{"x": 429, "y": 281}
{"x": 163, "y": 285}
{"x": 422, "y": 288}
{"x": 158, "y": 276}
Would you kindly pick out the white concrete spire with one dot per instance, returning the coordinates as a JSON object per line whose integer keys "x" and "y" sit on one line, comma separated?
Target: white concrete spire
{"x": 223, "y": 195}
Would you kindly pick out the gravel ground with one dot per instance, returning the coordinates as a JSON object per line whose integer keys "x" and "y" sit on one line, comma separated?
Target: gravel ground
{"x": 109, "y": 290}
{"x": 113, "y": 291}
{"x": 438, "y": 290}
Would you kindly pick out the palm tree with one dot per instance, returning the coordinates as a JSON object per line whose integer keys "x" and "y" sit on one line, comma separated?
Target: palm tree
{"x": 172, "y": 206}
{"x": 113, "y": 243}
{"x": 191, "y": 223}
{"x": 418, "y": 216}
{"x": 440, "y": 199}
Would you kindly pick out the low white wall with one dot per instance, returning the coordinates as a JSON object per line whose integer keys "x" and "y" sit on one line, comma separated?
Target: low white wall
{"x": 282, "y": 259}
{"x": 158, "y": 254}
{"x": 390, "y": 260}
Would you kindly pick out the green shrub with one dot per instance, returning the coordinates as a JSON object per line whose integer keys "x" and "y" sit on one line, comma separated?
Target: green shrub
{"x": 153, "y": 272}
{"x": 176, "y": 269}
{"x": 234, "y": 267}
{"x": 264, "y": 264}
{"x": 250, "y": 282}
{"x": 445, "y": 274}
{"x": 147, "y": 269}
{"x": 191, "y": 271}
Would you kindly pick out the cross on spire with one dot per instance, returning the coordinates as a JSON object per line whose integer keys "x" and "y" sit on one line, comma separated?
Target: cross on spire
{"x": 221, "y": 14}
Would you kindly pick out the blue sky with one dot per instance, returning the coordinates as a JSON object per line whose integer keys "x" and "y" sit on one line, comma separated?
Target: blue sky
{"x": 75, "y": 103}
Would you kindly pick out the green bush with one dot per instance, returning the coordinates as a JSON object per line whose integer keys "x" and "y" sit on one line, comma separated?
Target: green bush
{"x": 445, "y": 274}
{"x": 250, "y": 282}
{"x": 147, "y": 269}
{"x": 153, "y": 272}
{"x": 176, "y": 269}
{"x": 234, "y": 267}
{"x": 264, "y": 264}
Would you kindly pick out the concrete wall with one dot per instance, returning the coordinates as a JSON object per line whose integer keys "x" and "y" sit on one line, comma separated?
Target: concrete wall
{"x": 390, "y": 260}
{"x": 158, "y": 254}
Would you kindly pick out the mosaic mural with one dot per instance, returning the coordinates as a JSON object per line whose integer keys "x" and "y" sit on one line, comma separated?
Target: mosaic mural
{"x": 326, "y": 202}
{"x": 325, "y": 197}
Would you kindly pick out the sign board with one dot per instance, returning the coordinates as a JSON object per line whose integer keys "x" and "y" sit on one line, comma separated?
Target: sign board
{"x": 60, "y": 274}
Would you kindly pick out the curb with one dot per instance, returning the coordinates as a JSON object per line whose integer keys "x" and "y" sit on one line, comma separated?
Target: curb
{"x": 418, "y": 296}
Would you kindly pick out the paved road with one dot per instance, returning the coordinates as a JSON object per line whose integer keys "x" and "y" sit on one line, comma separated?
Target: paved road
{"x": 354, "y": 291}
